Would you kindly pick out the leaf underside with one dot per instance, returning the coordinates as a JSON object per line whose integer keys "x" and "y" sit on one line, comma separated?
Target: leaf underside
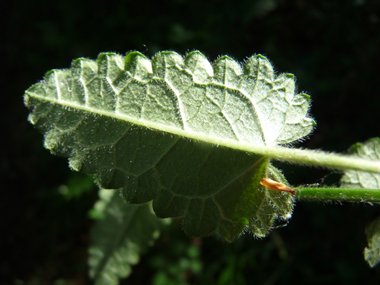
{"x": 152, "y": 129}
{"x": 369, "y": 150}
{"x": 120, "y": 239}
{"x": 372, "y": 252}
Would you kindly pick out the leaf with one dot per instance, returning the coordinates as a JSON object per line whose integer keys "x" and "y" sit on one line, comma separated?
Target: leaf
{"x": 367, "y": 180}
{"x": 372, "y": 252}
{"x": 370, "y": 150}
{"x": 76, "y": 186}
{"x": 120, "y": 239}
{"x": 172, "y": 130}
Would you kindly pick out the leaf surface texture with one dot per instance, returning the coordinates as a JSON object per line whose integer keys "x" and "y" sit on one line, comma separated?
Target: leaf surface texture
{"x": 163, "y": 129}
{"x": 372, "y": 252}
{"x": 369, "y": 150}
{"x": 120, "y": 238}
{"x": 367, "y": 180}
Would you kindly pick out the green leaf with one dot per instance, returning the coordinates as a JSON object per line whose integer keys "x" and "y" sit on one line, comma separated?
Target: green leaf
{"x": 372, "y": 252}
{"x": 370, "y": 150}
{"x": 76, "y": 185}
{"x": 177, "y": 131}
{"x": 120, "y": 238}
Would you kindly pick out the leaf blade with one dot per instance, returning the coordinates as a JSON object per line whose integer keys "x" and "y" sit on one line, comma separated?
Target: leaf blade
{"x": 120, "y": 239}
{"x": 131, "y": 120}
{"x": 372, "y": 252}
{"x": 369, "y": 150}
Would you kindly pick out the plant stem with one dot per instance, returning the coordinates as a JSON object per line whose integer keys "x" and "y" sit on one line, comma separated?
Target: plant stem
{"x": 304, "y": 156}
{"x": 329, "y": 160}
{"x": 308, "y": 157}
{"x": 339, "y": 194}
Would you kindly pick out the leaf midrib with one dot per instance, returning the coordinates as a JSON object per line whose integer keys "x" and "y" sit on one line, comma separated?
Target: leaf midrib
{"x": 276, "y": 152}
{"x": 233, "y": 144}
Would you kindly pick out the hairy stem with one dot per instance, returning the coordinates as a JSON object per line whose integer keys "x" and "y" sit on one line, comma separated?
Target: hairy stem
{"x": 300, "y": 156}
{"x": 339, "y": 194}
{"x": 322, "y": 159}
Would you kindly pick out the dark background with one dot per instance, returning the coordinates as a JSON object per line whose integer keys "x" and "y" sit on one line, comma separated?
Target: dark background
{"x": 333, "y": 48}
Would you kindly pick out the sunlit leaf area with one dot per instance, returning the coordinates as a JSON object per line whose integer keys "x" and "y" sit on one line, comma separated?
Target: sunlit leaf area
{"x": 59, "y": 227}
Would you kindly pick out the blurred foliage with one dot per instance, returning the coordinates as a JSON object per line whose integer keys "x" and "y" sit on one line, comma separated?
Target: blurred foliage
{"x": 371, "y": 253}
{"x": 332, "y": 48}
{"x": 119, "y": 239}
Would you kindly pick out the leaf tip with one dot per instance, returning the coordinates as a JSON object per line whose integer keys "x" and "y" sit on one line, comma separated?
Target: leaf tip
{"x": 260, "y": 56}
{"x": 290, "y": 76}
